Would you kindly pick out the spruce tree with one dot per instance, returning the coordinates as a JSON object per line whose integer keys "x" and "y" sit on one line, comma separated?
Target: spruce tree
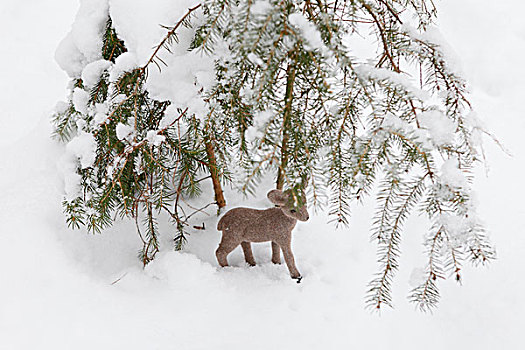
{"x": 294, "y": 98}
{"x": 142, "y": 165}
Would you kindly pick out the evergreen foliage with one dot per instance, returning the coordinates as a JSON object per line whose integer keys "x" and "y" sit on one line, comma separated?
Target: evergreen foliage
{"x": 143, "y": 163}
{"x": 348, "y": 122}
{"x": 294, "y": 98}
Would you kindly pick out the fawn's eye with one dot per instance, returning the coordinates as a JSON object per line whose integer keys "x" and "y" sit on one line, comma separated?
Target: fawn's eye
{"x": 293, "y": 210}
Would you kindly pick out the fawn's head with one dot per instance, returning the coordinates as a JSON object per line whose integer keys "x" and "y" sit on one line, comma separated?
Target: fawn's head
{"x": 290, "y": 204}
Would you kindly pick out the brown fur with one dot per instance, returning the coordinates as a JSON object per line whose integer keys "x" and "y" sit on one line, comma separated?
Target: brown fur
{"x": 245, "y": 225}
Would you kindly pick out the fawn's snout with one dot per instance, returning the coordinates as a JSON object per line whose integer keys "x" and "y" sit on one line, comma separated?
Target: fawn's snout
{"x": 300, "y": 214}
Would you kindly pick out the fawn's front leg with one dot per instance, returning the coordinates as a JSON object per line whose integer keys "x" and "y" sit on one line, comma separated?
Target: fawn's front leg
{"x": 248, "y": 255}
{"x": 290, "y": 261}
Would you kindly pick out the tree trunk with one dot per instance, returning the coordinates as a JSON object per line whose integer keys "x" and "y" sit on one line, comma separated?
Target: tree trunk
{"x": 286, "y": 124}
{"x": 212, "y": 165}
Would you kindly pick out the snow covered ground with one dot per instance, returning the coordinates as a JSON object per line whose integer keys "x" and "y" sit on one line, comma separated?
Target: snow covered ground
{"x": 56, "y": 285}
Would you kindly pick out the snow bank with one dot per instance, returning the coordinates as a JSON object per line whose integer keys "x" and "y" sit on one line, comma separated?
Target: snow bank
{"x": 69, "y": 290}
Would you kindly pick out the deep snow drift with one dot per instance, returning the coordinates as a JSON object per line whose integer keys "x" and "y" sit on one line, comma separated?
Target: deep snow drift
{"x": 62, "y": 289}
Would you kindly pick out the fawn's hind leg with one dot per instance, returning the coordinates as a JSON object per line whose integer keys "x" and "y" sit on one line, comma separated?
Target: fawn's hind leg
{"x": 276, "y": 253}
{"x": 226, "y": 246}
{"x": 248, "y": 255}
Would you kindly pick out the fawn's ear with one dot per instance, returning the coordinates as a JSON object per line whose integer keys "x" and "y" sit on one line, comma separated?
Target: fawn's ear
{"x": 277, "y": 197}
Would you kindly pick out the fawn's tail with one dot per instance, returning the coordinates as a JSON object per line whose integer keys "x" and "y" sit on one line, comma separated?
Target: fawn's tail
{"x": 221, "y": 223}
{"x": 226, "y": 220}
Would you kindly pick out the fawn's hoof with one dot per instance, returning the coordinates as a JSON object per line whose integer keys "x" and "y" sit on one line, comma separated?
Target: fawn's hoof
{"x": 299, "y": 278}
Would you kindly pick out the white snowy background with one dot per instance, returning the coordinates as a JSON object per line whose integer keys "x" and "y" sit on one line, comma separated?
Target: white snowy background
{"x": 56, "y": 288}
